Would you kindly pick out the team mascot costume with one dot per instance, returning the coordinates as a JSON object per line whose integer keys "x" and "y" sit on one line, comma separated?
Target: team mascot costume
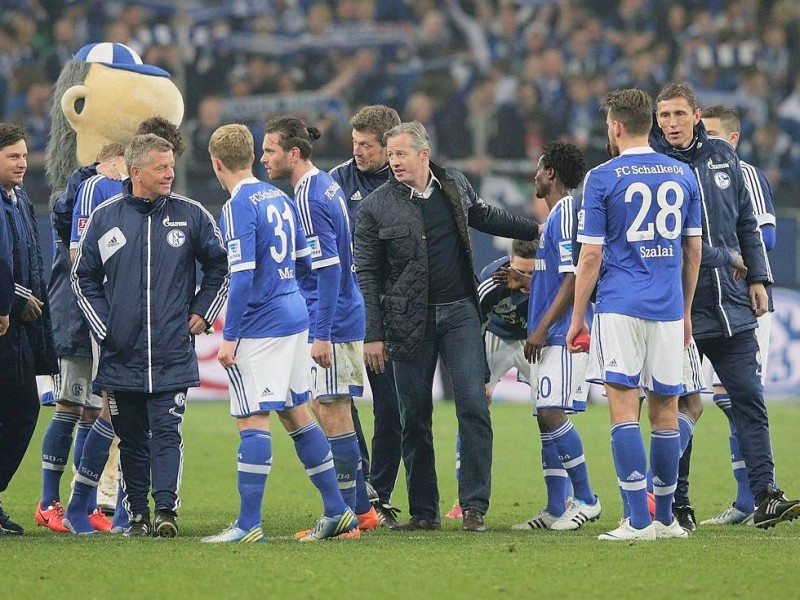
{"x": 101, "y": 96}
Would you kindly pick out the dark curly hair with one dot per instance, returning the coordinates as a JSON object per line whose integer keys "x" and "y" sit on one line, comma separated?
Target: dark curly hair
{"x": 567, "y": 161}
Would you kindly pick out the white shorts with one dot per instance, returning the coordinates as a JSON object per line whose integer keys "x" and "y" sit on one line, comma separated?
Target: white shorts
{"x": 560, "y": 379}
{"x": 630, "y": 352}
{"x": 345, "y": 377}
{"x": 762, "y": 336}
{"x": 73, "y": 383}
{"x": 269, "y": 374}
{"x": 502, "y": 355}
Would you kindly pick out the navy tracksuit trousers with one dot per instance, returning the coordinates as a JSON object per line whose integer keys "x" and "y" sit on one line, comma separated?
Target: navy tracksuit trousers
{"x": 150, "y": 442}
{"x": 738, "y": 365}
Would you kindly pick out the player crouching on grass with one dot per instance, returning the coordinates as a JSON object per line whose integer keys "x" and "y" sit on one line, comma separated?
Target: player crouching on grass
{"x": 267, "y": 324}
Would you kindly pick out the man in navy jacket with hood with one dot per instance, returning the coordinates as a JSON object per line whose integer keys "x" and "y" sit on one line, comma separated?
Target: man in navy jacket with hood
{"x": 725, "y": 305}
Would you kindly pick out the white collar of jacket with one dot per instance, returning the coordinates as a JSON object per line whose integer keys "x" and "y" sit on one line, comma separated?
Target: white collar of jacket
{"x": 428, "y": 190}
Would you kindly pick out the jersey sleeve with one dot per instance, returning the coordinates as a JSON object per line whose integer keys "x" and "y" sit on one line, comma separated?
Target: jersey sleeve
{"x": 692, "y": 225}
{"x": 592, "y": 215}
{"x": 238, "y": 223}
{"x": 760, "y": 194}
{"x": 315, "y": 216}
{"x": 82, "y": 209}
{"x": 563, "y": 237}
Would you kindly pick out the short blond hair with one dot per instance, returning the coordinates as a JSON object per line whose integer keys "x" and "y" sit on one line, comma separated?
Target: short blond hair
{"x": 233, "y": 145}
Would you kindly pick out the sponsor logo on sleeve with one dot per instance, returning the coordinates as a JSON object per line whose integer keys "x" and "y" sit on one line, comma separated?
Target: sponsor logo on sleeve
{"x": 314, "y": 245}
{"x": 565, "y": 250}
{"x": 234, "y": 251}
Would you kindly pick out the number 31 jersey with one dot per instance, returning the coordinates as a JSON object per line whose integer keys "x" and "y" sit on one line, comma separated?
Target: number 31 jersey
{"x": 263, "y": 236}
{"x": 638, "y": 205}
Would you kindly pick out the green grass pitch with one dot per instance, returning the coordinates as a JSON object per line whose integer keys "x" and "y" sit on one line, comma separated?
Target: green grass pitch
{"x": 730, "y": 562}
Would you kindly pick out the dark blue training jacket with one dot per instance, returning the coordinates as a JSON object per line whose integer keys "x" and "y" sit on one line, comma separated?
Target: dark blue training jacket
{"x": 135, "y": 280}
{"x": 69, "y": 328}
{"x": 721, "y": 306}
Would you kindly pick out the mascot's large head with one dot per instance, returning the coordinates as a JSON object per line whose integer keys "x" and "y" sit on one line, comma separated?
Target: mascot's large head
{"x": 100, "y": 97}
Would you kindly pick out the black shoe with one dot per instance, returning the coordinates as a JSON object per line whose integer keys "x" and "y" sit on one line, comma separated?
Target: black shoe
{"x": 139, "y": 527}
{"x": 165, "y": 525}
{"x": 774, "y": 508}
{"x": 7, "y": 526}
{"x": 473, "y": 520}
{"x": 684, "y": 515}
{"x": 415, "y": 524}
{"x": 372, "y": 495}
{"x": 387, "y": 514}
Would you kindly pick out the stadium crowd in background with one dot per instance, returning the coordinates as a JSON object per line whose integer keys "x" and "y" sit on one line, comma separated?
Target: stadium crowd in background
{"x": 471, "y": 71}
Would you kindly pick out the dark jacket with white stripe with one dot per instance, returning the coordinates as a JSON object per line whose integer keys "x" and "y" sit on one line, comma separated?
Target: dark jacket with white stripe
{"x": 135, "y": 280}
{"x": 721, "y": 306}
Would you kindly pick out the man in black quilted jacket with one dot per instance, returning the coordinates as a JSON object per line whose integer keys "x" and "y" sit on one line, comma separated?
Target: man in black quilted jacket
{"x": 415, "y": 267}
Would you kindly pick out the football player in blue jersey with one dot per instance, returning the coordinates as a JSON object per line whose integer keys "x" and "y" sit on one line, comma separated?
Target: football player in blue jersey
{"x": 267, "y": 324}
{"x": 358, "y": 177}
{"x": 558, "y": 377}
{"x": 640, "y": 221}
{"x": 727, "y": 305}
{"x": 335, "y": 305}
{"x": 76, "y": 404}
{"x": 723, "y": 121}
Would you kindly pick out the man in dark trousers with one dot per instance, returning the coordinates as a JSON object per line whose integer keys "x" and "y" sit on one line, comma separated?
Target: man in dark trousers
{"x": 26, "y": 345}
{"x": 135, "y": 280}
{"x": 359, "y": 177}
{"x": 726, "y": 306}
{"x": 416, "y": 271}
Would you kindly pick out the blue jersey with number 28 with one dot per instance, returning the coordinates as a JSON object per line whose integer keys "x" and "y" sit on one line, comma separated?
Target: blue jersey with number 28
{"x": 638, "y": 205}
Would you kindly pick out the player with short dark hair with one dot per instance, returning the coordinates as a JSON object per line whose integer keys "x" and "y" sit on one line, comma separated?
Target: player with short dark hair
{"x": 640, "y": 221}
{"x": 76, "y": 402}
{"x": 558, "y": 385}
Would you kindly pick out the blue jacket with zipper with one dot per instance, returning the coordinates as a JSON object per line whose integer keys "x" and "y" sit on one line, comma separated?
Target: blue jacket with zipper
{"x": 721, "y": 306}
{"x": 135, "y": 280}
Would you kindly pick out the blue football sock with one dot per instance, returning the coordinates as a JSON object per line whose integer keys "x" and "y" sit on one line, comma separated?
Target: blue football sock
{"x": 744, "y": 499}
{"x": 55, "y": 454}
{"x": 93, "y": 459}
{"x": 314, "y": 452}
{"x": 362, "y": 498}
{"x": 686, "y": 428}
{"x": 665, "y": 447}
{"x": 84, "y": 427}
{"x": 555, "y": 477}
{"x": 121, "y": 511}
{"x": 346, "y": 457}
{"x": 570, "y": 453}
{"x": 253, "y": 467}
{"x": 630, "y": 461}
{"x": 626, "y": 510}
